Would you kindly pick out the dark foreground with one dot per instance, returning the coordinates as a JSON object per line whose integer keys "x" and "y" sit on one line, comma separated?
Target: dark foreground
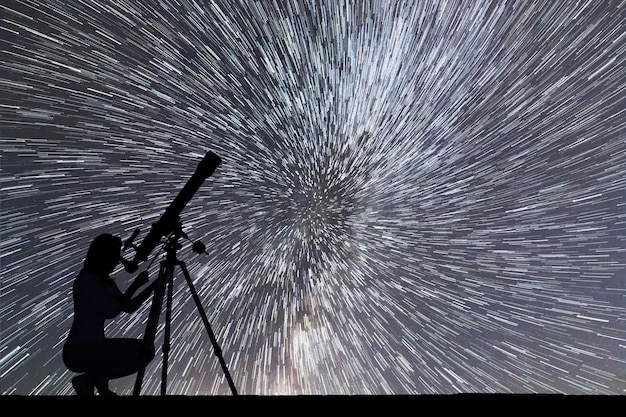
{"x": 178, "y": 406}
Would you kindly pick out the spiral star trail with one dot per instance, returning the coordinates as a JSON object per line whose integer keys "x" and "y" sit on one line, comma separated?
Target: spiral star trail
{"x": 414, "y": 197}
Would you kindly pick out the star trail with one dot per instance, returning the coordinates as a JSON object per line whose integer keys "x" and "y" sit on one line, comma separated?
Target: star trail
{"x": 414, "y": 197}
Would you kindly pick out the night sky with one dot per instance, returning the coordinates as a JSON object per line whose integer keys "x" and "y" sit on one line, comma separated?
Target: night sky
{"x": 414, "y": 197}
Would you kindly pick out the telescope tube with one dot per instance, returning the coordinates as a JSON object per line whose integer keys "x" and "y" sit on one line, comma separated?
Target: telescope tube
{"x": 169, "y": 220}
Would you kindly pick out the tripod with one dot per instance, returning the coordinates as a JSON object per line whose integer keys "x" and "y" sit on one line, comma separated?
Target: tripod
{"x": 166, "y": 278}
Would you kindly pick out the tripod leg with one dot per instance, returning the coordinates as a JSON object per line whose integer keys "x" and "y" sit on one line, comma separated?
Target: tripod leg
{"x": 216, "y": 347}
{"x": 166, "y": 332}
{"x": 153, "y": 319}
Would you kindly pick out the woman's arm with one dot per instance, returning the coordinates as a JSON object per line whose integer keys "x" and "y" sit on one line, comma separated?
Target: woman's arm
{"x": 130, "y": 304}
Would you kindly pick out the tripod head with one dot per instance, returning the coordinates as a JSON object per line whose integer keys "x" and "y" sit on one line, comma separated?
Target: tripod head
{"x": 170, "y": 220}
{"x": 172, "y": 243}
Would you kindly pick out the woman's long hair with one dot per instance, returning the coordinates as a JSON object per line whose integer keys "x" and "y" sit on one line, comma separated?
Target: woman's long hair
{"x": 103, "y": 251}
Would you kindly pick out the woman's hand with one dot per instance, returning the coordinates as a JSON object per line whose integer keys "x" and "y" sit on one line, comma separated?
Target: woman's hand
{"x": 142, "y": 279}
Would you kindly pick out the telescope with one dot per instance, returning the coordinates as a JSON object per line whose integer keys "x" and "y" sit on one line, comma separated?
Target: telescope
{"x": 169, "y": 226}
{"x": 169, "y": 221}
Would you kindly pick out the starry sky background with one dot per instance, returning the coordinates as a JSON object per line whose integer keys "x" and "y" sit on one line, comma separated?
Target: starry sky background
{"x": 414, "y": 197}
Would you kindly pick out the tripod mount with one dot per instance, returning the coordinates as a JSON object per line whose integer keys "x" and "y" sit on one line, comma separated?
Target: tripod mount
{"x": 166, "y": 280}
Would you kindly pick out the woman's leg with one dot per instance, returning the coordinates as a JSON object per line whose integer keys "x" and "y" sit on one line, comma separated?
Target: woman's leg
{"x": 110, "y": 359}
{"x": 83, "y": 384}
{"x": 118, "y": 358}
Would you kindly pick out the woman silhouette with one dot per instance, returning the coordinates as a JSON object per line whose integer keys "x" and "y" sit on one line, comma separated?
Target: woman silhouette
{"x": 97, "y": 298}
